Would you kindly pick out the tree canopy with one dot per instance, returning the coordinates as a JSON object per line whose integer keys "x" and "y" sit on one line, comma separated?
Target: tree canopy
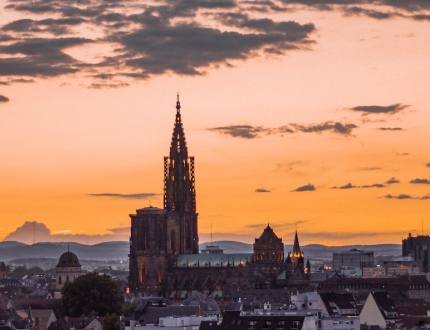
{"x": 91, "y": 293}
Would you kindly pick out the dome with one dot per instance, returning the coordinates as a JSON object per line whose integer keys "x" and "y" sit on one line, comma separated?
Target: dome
{"x": 268, "y": 236}
{"x": 68, "y": 259}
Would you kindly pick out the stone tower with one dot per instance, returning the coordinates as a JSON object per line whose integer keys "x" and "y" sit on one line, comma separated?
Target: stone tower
{"x": 158, "y": 235}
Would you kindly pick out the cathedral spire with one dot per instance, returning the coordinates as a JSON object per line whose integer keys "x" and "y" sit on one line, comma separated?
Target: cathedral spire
{"x": 179, "y": 191}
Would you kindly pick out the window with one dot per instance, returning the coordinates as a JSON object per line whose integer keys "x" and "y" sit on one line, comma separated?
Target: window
{"x": 252, "y": 324}
{"x": 233, "y": 322}
{"x": 295, "y": 325}
{"x": 266, "y": 324}
{"x": 280, "y": 325}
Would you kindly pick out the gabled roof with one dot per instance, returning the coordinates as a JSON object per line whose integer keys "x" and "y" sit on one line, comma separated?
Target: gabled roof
{"x": 342, "y": 301}
{"x": 385, "y": 304}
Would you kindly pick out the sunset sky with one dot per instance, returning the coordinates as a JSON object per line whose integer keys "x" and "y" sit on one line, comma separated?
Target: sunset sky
{"x": 304, "y": 113}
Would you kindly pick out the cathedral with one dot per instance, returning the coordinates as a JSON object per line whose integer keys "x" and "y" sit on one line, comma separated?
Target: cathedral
{"x": 164, "y": 245}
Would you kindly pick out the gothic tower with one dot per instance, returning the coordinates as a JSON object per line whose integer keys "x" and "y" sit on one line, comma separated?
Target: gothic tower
{"x": 159, "y": 235}
{"x": 179, "y": 192}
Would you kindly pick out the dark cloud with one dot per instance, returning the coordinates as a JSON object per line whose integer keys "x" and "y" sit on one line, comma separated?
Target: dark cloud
{"x": 127, "y": 196}
{"x": 412, "y": 5}
{"x": 354, "y": 10}
{"x": 251, "y": 132}
{"x": 401, "y": 196}
{"x": 405, "y": 196}
{"x": 241, "y": 131}
{"x": 186, "y": 49}
{"x": 375, "y": 185}
{"x": 308, "y": 187}
{"x": 12, "y": 81}
{"x": 262, "y": 190}
{"x": 293, "y": 31}
{"x": 155, "y": 41}
{"x": 392, "y": 180}
{"x": 428, "y": 165}
{"x": 421, "y": 17}
{"x": 420, "y": 181}
{"x": 55, "y": 26}
{"x": 347, "y": 186}
{"x": 334, "y": 127}
{"x": 40, "y": 57}
{"x": 390, "y": 129}
{"x": 377, "y": 109}
{"x": 350, "y": 186}
{"x": 3, "y": 99}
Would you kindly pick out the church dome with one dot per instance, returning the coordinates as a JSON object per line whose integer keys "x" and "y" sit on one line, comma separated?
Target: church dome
{"x": 68, "y": 259}
{"x": 268, "y": 236}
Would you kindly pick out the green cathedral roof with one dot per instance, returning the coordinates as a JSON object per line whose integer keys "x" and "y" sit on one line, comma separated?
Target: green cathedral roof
{"x": 211, "y": 260}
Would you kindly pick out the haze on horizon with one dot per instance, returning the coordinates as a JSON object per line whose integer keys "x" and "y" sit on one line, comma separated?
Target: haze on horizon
{"x": 299, "y": 115}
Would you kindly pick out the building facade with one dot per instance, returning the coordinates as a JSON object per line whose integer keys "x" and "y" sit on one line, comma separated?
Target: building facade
{"x": 164, "y": 251}
{"x": 353, "y": 258}
{"x": 159, "y": 235}
{"x": 418, "y": 248}
{"x": 67, "y": 269}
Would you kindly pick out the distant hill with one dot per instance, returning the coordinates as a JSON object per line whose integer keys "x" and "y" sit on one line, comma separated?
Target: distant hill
{"x": 102, "y": 251}
{"x": 118, "y": 250}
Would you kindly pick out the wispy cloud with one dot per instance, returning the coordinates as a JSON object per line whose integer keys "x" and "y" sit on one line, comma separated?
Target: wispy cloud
{"x": 334, "y": 127}
{"x": 378, "y": 109}
{"x": 370, "y": 168}
{"x": 406, "y": 196}
{"x": 420, "y": 181}
{"x": 392, "y": 180}
{"x": 308, "y": 187}
{"x": 241, "y": 131}
{"x": 127, "y": 196}
{"x": 390, "y": 129}
{"x": 350, "y": 186}
{"x": 262, "y": 190}
{"x": 347, "y": 186}
{"x": 252, "y": 132}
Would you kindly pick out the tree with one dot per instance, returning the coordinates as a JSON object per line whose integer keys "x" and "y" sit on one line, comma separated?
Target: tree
{"x": 91, "y": 293}
{"x": 111, "y": 322}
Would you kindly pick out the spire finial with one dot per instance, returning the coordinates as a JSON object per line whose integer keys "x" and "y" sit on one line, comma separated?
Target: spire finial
{"x": 178, "y": 104}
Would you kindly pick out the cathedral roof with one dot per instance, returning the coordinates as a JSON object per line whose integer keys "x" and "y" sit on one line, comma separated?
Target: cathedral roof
{"x": 268, "y": 236}
{"x": 68, "y": 259}
{"x": 211, "y": 260}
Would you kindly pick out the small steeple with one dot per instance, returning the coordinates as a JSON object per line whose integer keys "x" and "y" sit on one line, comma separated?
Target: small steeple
{"x": 308, "y": 267}
{"x": 296, "y": 247}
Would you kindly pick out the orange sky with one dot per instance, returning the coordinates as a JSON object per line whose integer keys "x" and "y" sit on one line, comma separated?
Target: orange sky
{"x": 260, "y": 116}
